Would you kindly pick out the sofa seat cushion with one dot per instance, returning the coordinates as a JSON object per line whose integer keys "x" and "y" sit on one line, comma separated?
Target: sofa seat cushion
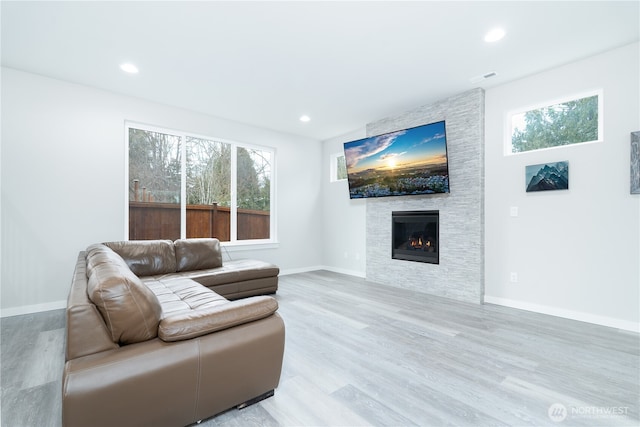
{"x": 194, "y": 323}
{"x": 179, "y": 294}
{"x": 146, "y": 257}
{"x": 130, "y": 310}
{"x": 197, "y": 254}
{"x": 234, "y": 271}
{"x": 190, "y": 310}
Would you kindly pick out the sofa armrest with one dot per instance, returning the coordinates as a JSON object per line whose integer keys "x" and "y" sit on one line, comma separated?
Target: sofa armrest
{"x": 195, "y": 323}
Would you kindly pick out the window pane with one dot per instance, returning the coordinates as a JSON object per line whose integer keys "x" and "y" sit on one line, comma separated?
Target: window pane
{"x": 341, "y": 168}
{"x": 253, "y": 193}
{"x": 555, "y": 125}
{"x": 154, "y": 185}
{"x": 338, "y": 168}
{"x": 208, "y": 188}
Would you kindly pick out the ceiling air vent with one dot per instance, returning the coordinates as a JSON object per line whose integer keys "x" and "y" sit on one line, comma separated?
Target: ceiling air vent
{"x": 483, "y": 77}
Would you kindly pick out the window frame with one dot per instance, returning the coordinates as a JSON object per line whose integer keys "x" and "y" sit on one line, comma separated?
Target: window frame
{"x": 333, "y": 167}
{"x": 234, "y": 243}
{"x": 508, "y": 121}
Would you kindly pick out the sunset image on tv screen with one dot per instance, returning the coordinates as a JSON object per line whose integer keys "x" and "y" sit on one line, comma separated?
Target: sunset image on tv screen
{"x": 406, "y": 162}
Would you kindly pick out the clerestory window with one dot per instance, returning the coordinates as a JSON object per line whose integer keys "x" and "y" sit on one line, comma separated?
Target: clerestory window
{"x": 573, "y": 120}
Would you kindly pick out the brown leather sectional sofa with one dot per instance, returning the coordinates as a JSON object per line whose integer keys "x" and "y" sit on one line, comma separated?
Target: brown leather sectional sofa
{"x": 163, "y": 333}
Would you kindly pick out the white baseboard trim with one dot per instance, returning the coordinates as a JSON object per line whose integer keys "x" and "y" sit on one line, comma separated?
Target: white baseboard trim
{"x": 299, "y": 270}
{"x": 322, "y": 267}
{"x": 35, "y": 308}
{"x": 345, "y": 271}
{"x": 567, "y": 314}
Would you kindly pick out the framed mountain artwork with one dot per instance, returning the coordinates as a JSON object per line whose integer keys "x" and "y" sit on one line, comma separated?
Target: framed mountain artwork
{"x": 547, "y": 176}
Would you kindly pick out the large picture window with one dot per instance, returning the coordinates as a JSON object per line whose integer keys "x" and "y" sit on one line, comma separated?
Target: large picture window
{"x": 183, "y": 185}
{"x": 572, "y": 120}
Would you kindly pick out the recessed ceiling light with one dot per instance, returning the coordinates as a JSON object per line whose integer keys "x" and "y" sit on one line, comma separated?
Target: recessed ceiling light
{"x": 494, "y": 35}
{"x": 305, "y": 118}
{"x": 129, "y": 68}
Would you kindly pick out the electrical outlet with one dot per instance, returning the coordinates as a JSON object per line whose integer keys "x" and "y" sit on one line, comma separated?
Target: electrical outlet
{"x": 514, "y": 211}
{"x": 514, "y": 277}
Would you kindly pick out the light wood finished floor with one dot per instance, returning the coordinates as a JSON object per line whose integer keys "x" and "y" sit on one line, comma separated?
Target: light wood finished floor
{"x": 359, "y": 353}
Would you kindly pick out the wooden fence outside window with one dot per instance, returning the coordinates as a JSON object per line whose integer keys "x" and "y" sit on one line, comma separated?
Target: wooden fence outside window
{"x": 149, "y": 220}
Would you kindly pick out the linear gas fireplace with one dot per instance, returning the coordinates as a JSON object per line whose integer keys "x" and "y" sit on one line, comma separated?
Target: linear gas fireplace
{"x": 414, "y": 236}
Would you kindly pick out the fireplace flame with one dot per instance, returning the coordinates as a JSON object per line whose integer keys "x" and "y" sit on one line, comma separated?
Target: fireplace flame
{"x": 419, "y": 243}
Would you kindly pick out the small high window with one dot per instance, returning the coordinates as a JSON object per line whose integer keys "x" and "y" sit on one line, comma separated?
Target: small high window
{"x": 338, "y": 170}
{"x": 574, "y": 120}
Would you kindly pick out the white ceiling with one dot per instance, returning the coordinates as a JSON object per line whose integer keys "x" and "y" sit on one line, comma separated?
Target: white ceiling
{"x": 267, "y": 63}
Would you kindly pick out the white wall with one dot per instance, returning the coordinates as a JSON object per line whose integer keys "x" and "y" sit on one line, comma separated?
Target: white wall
{"x": 62, "y": 177}
{"x": 344, "y": 238}
{"x": 576, "y": 252}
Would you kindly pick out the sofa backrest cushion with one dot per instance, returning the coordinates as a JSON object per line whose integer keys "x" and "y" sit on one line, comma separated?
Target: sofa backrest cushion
{"x": 130, "y": 310}
{"x": 197, "y": 254}
{"x": 147, "y": 257}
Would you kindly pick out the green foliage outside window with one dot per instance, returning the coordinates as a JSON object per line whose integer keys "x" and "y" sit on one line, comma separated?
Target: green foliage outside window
{"x": 155, "y": 162}
{"x": 254, "y": 184}
{"x": 341, "y": 168}
{"x": 565, "y": 123}
{"x": 208, "y": 172}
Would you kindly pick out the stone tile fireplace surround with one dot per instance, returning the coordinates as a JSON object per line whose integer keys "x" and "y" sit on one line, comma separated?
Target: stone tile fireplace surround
{"x": 460, "y": 272}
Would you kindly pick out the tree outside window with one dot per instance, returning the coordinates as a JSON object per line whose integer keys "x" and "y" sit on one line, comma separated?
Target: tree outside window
{"x": 338, "y": 171}
{"x": 571, "y": 122}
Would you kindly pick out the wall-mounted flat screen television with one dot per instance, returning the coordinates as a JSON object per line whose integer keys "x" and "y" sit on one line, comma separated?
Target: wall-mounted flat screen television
{"x": 402, "y": 163}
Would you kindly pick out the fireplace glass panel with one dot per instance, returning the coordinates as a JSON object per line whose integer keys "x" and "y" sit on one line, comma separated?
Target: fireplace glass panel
{"x": 415, "y": 236}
